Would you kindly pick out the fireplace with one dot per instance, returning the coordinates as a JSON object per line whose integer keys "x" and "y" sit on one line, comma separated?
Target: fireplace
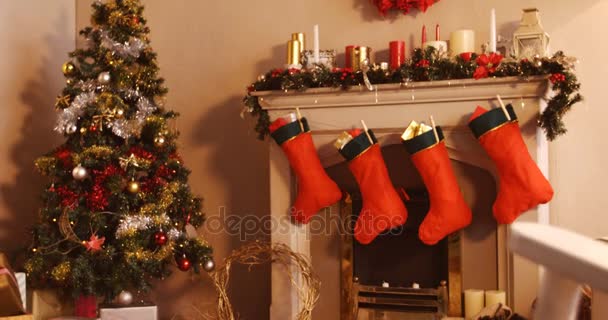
{"x": 477, "y": 257}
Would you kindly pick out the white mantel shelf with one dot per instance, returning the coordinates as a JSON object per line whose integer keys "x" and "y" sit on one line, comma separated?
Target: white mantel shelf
{"x": 387, "y": 110}
{"x": 403, "y": 93}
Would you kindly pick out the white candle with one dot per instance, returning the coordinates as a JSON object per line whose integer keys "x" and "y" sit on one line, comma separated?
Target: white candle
{"x": 462, "y": 41}
{"x": 494, "y": 297}
{"x": 473, "y": 302}
{"x": 316, "y": 42}
{"x": 493, "y": 30}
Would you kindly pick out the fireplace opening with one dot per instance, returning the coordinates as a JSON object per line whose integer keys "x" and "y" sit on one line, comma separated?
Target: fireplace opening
{"x": 398, "y": 257}
{"x": 353, "y": 273}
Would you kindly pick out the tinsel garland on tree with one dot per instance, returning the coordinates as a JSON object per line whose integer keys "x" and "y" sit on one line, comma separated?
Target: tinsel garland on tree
{"x": 429, "y": 65}
{"x": 116, "y": 211}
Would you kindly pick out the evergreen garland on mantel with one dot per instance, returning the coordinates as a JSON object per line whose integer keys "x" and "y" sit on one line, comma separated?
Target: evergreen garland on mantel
{"x": 429, "y": 65}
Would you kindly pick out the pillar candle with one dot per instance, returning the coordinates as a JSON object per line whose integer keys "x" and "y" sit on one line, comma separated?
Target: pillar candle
{"x": 397, "y": 50}
{"x": 293, "y": 52}
{"x": 316, "y": 43}
{"x": 462, "y": 41}
{"x": 493, "y": 30}
{"x": 494, "y": 297}
{"x": 348, "y": 52}
{"x": 473, "y": 302}
{"x": 300, "y": 37}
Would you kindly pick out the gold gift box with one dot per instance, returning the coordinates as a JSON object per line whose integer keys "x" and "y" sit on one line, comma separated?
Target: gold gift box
{"x": 21, "y": 317}
{"x": 10, "y": 297}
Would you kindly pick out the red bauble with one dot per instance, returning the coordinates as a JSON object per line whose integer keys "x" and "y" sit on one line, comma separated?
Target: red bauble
{"x": 183, "y": 263}
{"x": 93, "y": 128}
{"x": 160, "y": 238}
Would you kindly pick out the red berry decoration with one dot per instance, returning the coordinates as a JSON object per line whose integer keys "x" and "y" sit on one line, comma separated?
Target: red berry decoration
{"x": 183, "y": 263}
{"x": 93, "y": 128}
{"x": 160, "y": 238}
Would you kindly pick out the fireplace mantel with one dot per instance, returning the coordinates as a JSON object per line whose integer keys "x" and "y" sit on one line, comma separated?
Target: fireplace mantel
{"x": 387, "y": 109}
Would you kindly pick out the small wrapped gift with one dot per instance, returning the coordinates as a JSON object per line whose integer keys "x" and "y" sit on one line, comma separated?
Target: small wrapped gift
{"x": 46, "y": 304}
{"x": 126, "y": 313}
{"x": 10, "y": 297}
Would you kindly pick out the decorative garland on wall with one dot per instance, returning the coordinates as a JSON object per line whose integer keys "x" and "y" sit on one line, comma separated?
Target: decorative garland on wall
{"x": 402, "y": 5}
{"x": 430, "y": 65}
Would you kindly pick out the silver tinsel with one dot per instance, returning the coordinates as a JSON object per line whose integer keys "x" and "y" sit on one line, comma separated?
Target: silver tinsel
{"x": 132, "y": 48}
{"x": 134, "y": 223}
{"x": 69, "y": 116}
{"x": 126, "y": 128}
{"x": 174, "y": 234}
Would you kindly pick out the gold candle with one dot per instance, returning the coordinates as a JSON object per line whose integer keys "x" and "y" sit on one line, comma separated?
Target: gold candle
{"x": 300, "y": 37}
{"x": 360, "y": 54}
{"x": 293, "y": 52}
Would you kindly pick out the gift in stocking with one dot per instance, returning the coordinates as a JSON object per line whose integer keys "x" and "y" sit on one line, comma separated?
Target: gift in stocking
{"x": 382, "y": 208}
{"x": 522, "y": 185}
{"x": 448, "y": 212}
{"x": 315, "y": 189}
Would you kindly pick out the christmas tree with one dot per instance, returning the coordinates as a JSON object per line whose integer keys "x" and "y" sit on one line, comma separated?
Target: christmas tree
{"x": 117, "y": 206}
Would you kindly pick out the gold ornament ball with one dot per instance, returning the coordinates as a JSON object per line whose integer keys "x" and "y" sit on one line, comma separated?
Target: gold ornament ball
{"x": 69, "y": 82}
{"x": 133, "y": 187}
{"x": 83, "y": 130}
{"x": 120, "y": 113}
{"x": 68, "y": 68}
{"x": 80, "y": 173}
{"x": 159, "y": 141}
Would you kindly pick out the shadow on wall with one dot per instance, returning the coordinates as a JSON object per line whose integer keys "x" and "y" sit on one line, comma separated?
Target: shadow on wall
{"x": 37, "y": 137}
{"x": 234, "y": 145}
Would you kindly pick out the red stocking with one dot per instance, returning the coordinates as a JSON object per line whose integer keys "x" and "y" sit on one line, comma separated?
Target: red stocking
{"x": 448, "y": 212}
{"x": 382, "y": 208}
{"x": 315, "y": 189}
{"x": 522, "y": 186}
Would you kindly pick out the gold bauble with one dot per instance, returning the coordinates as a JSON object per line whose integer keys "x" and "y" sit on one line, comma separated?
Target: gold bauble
{"x": 68, "y": 68}
{"x": 133, "y": 186}
{"x": 69, "y": 82}
{"x": 159, "y": 141}
{"x": 83, "y": 130}
{"x": 119, "y": 112}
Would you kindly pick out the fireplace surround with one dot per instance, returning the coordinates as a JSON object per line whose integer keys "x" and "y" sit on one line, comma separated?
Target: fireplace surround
{"x": 387, "y": 110}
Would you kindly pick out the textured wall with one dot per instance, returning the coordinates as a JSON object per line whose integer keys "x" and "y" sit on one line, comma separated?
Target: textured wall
{"x": 210, "y": 50}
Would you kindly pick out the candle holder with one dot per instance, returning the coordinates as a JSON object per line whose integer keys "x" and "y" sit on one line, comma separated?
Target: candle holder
{"x": 327, "y": 58}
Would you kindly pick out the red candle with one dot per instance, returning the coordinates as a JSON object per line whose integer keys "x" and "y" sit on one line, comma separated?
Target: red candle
{"x": 423, "y": 35}
{"x": 397, "y": 50}
{"x": 437, "y": 32}
{"x": 348, "y": 63}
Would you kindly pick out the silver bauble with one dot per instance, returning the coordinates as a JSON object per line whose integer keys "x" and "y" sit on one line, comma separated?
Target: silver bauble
{"x": 80, "y": 172}
{"x": 125, "y": 298}
{"x": 209, "y": 265}
{"x": 104, "y": 77}
{"x": 71, "y": 129}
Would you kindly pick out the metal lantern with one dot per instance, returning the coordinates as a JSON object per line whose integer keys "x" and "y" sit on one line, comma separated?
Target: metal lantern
{"x": 530, "y": 39}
